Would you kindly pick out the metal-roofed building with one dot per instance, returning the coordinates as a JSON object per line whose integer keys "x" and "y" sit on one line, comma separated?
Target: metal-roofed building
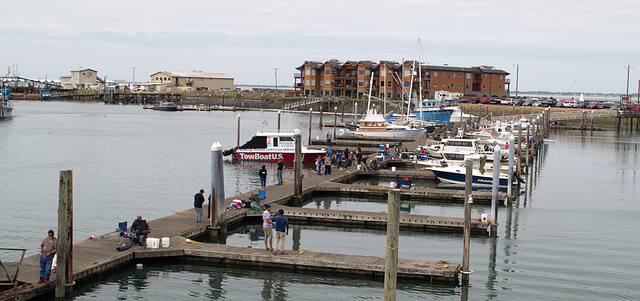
{"x": 81, "y": 78}
{"x": 190, "y": 81}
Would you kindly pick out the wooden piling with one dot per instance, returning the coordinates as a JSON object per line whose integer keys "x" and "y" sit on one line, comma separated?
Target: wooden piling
{"x": 391, "y": 257}
{"x": 65, "y": 235}
{"x": 466, "y": 242}
{"x": 310, "y": 121}
{"x": 238, "y": 140}
{"x": 320, "y": 124}
{"x": 297, "y": 163}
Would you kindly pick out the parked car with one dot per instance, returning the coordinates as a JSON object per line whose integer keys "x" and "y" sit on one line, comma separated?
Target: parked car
{"x": 593, "y": 106}
{"x": 507, "y": 101}
{"x": 484, "y": 100}
{"x": 495, "y": 101}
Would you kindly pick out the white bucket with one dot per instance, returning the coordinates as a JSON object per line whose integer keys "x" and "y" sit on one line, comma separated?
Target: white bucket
{"x": 393, "y": 168}
{"x": 165, "y": 242}
{"x": 392, "y": 184}
{"x": 484, "y": 217}
{"x": 359, "y": 167}
{"x": 153, "y": 243}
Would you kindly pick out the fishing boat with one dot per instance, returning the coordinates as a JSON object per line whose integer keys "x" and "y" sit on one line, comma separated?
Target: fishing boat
{"x": 272, "y": 146}
{"x": 456, "y": 174}
{"x": 7, "y": 107}
{"x": 434, "y": 111}
{"x": 166, "y": 106}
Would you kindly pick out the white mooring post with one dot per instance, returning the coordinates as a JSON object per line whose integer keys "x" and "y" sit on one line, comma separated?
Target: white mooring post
{"x": 512, "y": 147}
{"x": 218, "y": 217}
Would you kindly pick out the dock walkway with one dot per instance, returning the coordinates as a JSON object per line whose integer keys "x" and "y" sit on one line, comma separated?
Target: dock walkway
{"x": 93, "y": 257}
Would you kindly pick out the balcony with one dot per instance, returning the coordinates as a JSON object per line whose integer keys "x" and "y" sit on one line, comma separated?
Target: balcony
{"x": 297, "y": 75}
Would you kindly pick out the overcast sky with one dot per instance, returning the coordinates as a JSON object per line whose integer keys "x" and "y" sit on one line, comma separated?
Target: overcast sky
{"x": 561, "y": 45}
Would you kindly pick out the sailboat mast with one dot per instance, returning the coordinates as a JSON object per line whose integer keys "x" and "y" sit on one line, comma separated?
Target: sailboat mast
{"x": 413, "y": 68}
{"x": 370, "y": 88}
{"x": 420, "y": 76}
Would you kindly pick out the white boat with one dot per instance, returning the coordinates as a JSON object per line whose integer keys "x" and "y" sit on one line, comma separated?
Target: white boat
{"x": 455, "y": 149}
{"x": 375, "y": 125}
{"x": 6, "y": 109}
{"x": 272, "y": 146}
{"x": 456, "y": 174}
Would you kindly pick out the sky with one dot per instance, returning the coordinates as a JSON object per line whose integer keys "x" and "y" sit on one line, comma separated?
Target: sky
{"x": 560, "y": 45}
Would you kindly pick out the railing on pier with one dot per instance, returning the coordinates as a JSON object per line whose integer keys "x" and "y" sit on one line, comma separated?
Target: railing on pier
{"x": 307, "y": 101}
{"x": 563, "y": 115}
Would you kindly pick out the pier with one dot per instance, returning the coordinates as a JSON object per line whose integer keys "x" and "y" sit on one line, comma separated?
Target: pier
{"x": 93, "y": 257}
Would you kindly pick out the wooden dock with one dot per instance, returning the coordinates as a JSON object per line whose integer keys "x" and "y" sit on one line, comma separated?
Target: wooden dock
{"x": 97, "y": 256}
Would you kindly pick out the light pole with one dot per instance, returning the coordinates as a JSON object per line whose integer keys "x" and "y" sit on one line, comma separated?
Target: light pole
{"x": 517, "y": 75}
{"x": 275, "y": 70}
{"x": 628, "y": 71}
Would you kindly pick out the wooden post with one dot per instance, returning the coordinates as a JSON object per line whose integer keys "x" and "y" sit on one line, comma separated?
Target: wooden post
{"x": 391, "y": 257}
{"x": 519, "y": 148}
{"x": 310, "y": 117}
{"x": 592, "y": 121}
{"x": 466, "y": 242}
{"x": 335, "y": 122}
{"x": 279, "y": 118}
{"x": 238, "y": 141}
{"x": 65, "y": 234}
{"x": 320, "y": 125}
{"x": 297, "y": 164}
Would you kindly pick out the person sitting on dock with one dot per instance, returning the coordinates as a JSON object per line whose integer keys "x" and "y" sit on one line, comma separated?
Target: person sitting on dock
{"x": 140, "y": 227}
{"x": 282, "y": 223}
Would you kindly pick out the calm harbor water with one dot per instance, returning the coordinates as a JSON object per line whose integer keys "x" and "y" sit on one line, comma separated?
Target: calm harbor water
{"x": 573, "y": 234}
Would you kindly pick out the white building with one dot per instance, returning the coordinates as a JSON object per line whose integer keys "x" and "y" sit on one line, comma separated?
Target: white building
{"x": 84, "y": 78}
{"x": 190, "y": 81}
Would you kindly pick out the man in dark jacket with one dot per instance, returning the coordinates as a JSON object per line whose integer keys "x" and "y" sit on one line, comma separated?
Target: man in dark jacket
{"x": 263, "y": 176}
{"x": 198, "y": 200}
{"x": 140, "y": 227}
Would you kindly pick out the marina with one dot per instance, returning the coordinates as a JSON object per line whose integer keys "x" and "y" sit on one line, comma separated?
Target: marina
{"x": 522, "y": 224}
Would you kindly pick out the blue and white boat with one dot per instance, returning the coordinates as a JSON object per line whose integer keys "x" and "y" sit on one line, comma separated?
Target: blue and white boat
{"x": 6, "y": 107}
{"x": 433, "y": 110}
{"x": 457, "y": 174}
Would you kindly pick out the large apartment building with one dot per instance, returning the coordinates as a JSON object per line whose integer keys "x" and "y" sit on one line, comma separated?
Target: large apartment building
{"x": 392, "y": 80}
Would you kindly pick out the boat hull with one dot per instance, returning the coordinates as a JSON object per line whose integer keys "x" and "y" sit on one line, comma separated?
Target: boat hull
{"x": 459, "y": 178}
{"x": 159, "y": 108}
{"x": 274, "y": 156}
{"x": 440, "y": 117}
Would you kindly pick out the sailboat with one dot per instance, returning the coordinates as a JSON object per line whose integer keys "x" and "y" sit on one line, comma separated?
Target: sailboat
{"x": 375, "y": 125}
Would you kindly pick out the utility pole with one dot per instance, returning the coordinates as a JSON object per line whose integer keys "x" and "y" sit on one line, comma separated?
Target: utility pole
{"x": 134, "y": 75}
{"x": 275, "y": 70}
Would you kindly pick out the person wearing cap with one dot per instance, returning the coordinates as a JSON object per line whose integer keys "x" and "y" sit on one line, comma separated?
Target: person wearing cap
{"x": 48, "y": 248}
{"x": 267, "y": 227}
{"x": 282, "y": 224}
{"x": 198, "y": 200}
{"x": 263, "y": 176}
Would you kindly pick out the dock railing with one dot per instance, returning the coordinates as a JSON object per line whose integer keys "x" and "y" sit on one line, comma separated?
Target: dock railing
{"x": 7, "y": 275}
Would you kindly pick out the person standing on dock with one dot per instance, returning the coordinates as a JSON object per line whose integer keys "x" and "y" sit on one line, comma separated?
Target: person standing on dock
{"x": 280, "y": 165}
{"x": 198, "y": 200}
{"x": 327, "y": 164}
{"x": 328, "y": 138}
{"x": 282, "y": 223}
{"x": 319, "y": 163}
{"x": 263, "y": 176}
{"x": 267, "y": 227}
{"x": 48, "y": 248}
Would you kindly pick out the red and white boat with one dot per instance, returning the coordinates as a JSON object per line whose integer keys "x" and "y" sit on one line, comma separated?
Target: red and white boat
{"x": 272, "y": 146}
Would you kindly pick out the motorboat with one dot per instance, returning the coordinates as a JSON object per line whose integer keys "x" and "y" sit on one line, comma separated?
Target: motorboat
{"x": 456, "y": 174}
{"x": 272, "y": 146}
{"x": 433, "y": 110}
{"x": 166, "y": 106}
{"x": 455, "y": 149}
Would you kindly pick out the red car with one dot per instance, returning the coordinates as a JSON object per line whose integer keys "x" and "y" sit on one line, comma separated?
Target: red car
{"x": 594, "y": 106}
{"x": 485, "y": 100}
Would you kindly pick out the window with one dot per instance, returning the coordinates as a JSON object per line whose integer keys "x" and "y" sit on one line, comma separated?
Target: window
{"x": 366, "y": 72}
{"x": 468, "y": 75}
{"x": 484, "y": 86}
{"x": 468, "y": 86}
{"x": 313, "y": 71}
{"x": 388, "y": 83}
{"x": 361, "y": 72}
{"x": 326, "y": 82}
{"x": 406, "y": 84}
{"x": 435, "y": 84}
{"x": 484, "y": 75}
{"x": 459, "y": 74}
{"x": 453, "y": 74}
{"x": 500, "y": 76}
{"x": 306, "y": 82}
{"x": 444, "y": 73}
{"x": 360, "y": 83}
{"x": 327, "y": 71}
{"x": 307, "y": 72}
{"x": 435, "y": 73}
{"x": 499, "y": 86}
{"x": 388, "y": 94}
{"x": 493, "y": 86}
{"x": 333, "y": 72}
{"x": 389, "y": 73}
{"x": 275, "y": 141}
{"x": 313, "y": 82}
{"x": 453, "y": 85}
{"x": 407, "y": 73}
{"x": 459, "y": 85}
{"x": 493, "y": 76}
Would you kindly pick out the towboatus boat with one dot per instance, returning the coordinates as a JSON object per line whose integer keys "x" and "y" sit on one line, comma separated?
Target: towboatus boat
{"x": 272, "y": 146}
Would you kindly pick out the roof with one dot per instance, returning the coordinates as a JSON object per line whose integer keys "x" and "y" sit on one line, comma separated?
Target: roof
{"x": 195, "y": 75}
{"x": 83, "y": 69}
